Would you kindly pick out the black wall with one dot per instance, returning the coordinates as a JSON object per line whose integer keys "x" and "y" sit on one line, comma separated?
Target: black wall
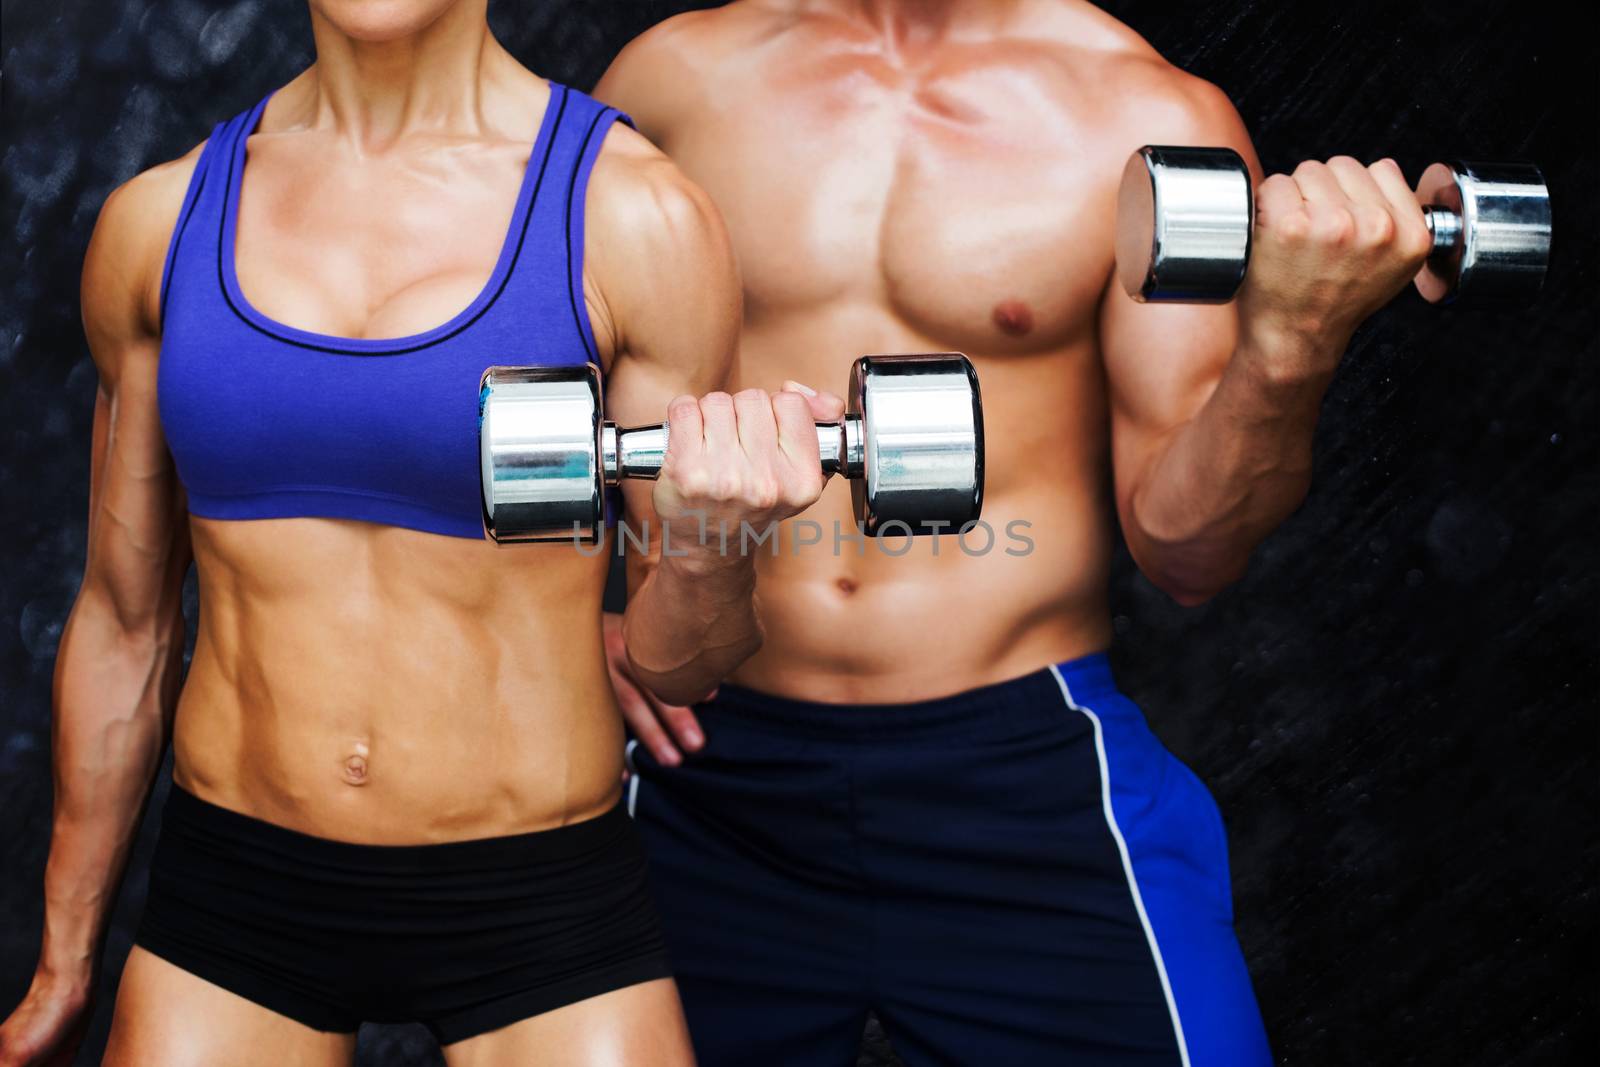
{"x": 1396, "y": 710}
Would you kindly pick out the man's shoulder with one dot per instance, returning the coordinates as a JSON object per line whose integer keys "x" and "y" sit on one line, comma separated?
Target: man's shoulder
{"x": 688, "y": 45}
{"x": 718, "y": 29}
{"x": 1131, "y": 81}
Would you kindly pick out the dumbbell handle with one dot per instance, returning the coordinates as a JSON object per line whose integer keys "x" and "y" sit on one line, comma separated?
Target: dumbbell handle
{"x": 1445, "y": 225}
{"x": 638, "y": 452}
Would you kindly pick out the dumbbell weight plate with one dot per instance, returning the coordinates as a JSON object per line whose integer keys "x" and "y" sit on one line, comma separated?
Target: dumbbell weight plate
{"x": 923, "y": 450}
{"x": 539, "y": 432}
{"x": 1184, "y": 217}
{"x": 1500, "y": 233}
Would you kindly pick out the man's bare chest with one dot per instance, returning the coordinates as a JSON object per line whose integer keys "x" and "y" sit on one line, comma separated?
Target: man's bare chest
{"x": 977, "y": 213}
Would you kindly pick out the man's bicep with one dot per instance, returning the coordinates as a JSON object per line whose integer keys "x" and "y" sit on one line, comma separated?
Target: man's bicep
{"x": 1163, "y": 361}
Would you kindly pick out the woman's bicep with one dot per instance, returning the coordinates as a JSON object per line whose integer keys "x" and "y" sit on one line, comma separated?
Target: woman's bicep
{"x": 672, "y": 294}
{"x": 668, "y": 280}
{"x": 138, "y": 544}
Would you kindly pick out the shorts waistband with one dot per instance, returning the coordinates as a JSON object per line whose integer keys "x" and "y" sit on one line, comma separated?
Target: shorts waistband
{"x": 1037, "y": 692}
{"x": 224, "y": 829}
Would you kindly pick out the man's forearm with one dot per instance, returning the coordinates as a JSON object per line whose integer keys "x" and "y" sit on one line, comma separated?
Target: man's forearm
{"x": 113, "y": 706}
{"x": 1230, "y": 475}
{"x": 692, "y": 621}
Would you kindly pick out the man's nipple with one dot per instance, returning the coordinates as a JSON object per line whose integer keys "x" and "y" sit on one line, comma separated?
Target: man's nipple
{"x": 1013, "y": 318}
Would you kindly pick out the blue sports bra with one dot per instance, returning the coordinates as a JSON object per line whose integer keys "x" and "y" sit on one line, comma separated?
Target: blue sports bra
{"x": 268, "y": 421}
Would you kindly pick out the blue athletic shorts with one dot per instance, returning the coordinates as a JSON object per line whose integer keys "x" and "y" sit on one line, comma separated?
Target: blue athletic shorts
{"x": 1019, "y": 874}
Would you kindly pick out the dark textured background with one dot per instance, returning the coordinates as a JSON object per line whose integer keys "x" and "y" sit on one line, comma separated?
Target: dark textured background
{"x": 1397, "y": 710}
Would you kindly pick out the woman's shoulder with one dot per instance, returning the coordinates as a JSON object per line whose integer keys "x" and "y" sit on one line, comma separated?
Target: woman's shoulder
{"x": 657, "y": 252}
{"x": 641, "y": 196}
{"x": 122, "y": 268}
{"x": 155, "y": 190}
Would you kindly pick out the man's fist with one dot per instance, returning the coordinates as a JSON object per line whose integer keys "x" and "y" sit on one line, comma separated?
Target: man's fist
{"x": 1333, "y": 242}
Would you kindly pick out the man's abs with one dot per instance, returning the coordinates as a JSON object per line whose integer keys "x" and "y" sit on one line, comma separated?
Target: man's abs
{"x": 852, "y": 619}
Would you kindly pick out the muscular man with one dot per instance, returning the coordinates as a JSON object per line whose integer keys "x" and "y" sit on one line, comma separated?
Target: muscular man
{"x": 925, "y": 796}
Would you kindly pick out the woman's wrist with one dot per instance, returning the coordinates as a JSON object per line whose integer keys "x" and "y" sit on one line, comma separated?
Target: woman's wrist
{"x": 65, "y": 973}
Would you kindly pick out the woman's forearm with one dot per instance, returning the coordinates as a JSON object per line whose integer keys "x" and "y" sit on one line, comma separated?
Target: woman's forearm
{"x": 114, "y": 693}
{"x": 692, "y": 621}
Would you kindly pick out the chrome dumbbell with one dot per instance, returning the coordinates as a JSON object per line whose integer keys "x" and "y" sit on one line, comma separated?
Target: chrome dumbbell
{"x": 1184, "y": 218}
{"x": 911, "y": 441}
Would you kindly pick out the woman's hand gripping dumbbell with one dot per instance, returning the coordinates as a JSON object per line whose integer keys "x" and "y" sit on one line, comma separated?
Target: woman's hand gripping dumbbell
{"x": 910, "y": 440}
{"x": 750, "y": 458}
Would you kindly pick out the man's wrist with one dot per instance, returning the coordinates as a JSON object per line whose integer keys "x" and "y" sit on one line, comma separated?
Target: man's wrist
{"x": 1286, "y": 366}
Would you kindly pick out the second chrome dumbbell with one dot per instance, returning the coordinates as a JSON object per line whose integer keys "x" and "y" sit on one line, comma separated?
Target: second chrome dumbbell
{"x": 1185, "y": 216}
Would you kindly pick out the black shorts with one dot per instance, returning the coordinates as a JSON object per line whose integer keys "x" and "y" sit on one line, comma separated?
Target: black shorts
{"x": 464, "y": 937}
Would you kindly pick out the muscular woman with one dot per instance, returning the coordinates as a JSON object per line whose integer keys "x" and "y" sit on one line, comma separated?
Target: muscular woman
{"x": 397, "y": 752}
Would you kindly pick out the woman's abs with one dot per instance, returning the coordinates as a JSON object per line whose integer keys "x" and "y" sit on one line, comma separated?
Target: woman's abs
{"x": 380, "y": 685}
